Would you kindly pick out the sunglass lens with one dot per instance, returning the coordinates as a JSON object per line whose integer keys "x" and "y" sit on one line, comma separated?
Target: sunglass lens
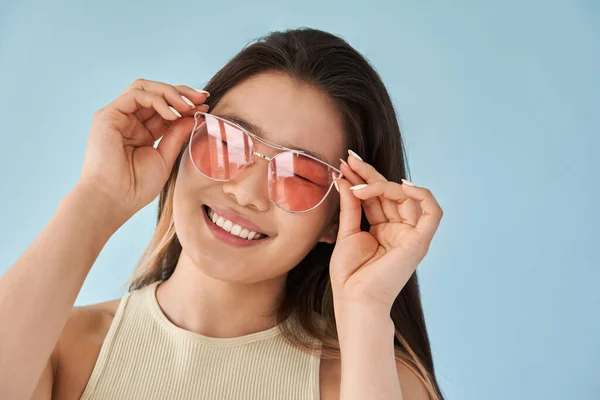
{"x": 219, "y": 149}
{"x": 298, "y": 183}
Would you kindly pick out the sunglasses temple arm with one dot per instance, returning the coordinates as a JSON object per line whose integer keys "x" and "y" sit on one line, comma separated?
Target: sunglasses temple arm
{"x": 336, "y": 178}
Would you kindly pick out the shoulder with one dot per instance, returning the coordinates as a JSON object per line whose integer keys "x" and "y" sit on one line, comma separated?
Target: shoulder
{"x": 94, "y": 314}
{"x": 88, "y": 322}
{"x": 331, "y": 374}
{"x": 87, "y": 325}
{"x": 412, "y": 386}
{"x": 80, "y": 343}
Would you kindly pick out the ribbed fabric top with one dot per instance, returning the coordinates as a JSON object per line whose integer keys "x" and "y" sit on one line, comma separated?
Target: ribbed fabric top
{"x": 146, "y": 356}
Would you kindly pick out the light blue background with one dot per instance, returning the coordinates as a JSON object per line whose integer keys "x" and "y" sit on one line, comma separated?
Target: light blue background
{"x": 499, "y": 108}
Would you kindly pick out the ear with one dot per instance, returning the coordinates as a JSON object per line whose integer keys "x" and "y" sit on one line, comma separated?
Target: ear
{"x": 330, "y": 233}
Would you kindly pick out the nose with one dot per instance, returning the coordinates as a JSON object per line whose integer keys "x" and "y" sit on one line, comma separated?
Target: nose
{"x": 249, "y": 186}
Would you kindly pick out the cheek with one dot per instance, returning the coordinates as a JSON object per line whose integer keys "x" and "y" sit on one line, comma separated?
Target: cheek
{"x": 189, "y": 179}
{"x": 187, "y": 197}
{"x": 305, "y": 227}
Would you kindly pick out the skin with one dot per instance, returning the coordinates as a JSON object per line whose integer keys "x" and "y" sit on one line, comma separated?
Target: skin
{"x": 212, "y": 278}
{"x": 208, "y": 281}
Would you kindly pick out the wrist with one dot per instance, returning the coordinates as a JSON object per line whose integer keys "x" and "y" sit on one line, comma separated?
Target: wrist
{"x": 353, "y": 316}
{"x": 96, "y": 207}
{"x": 353, "y": 309}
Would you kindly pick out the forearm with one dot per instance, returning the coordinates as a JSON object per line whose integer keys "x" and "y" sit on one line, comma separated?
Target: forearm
{"x": 367, "y": 350}
{"x": 38, "y": 291}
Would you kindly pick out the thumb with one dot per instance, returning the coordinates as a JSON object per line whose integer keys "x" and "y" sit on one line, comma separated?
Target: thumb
{"x": 172, "y": 141}
{"x": 350, "y": 211}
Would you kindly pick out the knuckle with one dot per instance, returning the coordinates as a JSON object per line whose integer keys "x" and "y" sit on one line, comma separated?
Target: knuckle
{"x": 99, "y": 113}
{"x": 437, "y": 213}
{"x": 108, "y": 116}
{"x": 181, "y": 89}
{"x": 379, "y": 184}
{"x": 135, "y": 85}
{"x": 135, "y": 92}
{"x": 371, "y": 169}
{"x": 172, "y": 90}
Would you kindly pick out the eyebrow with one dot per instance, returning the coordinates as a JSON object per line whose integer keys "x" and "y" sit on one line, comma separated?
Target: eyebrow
{"x": 257, "y": 130}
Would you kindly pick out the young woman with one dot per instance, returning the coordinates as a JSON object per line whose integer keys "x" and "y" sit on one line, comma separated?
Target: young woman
{"x": 282, "y": 266}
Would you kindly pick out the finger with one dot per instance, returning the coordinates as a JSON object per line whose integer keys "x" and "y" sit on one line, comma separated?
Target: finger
{"x": 157, "y": 125}
{"x": 365, "y": 170}
{"x": 410, "y": 212}
{"x": 173, "y": 140}
{"x": 373, "y": 209}
{"x": 146, "y": 113}
{"x": 135, "y": 99}
{"x": 406, "y": 208}
{"x": 429, "y": 221}
{"x": 191, "y": 112}
{"x": 181, "y": 97}
{"x": 432, "y": 212}
{"x": 172, "y": 94}
{"x": 350, "y": 211}
{"x": 197, "y": 96}
{"x": 370, "y": 174}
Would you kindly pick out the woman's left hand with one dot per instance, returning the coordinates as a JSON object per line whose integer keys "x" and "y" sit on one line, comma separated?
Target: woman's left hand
{"x": 372, "y": 267}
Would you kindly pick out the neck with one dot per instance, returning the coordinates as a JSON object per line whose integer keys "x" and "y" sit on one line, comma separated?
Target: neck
{"x": 200, "y": 303}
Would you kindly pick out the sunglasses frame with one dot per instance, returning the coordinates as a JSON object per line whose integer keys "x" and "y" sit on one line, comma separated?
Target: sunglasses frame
{"x": 256, "y": 138}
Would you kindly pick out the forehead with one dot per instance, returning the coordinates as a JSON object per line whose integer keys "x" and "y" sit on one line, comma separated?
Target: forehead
{"x": 287, "y": 112}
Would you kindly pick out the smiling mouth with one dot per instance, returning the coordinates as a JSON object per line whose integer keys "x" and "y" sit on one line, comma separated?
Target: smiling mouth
{"x": 232, "y": 228}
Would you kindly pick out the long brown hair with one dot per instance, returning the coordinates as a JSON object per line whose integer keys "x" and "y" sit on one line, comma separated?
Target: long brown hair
{"x": 330, "y": 64}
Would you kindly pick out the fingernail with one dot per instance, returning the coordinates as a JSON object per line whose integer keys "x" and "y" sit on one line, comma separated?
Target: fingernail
{"x": 335, "y": 182}
{"x": 175, "y": 111}
{"x": 358, "y": 187}
{"x": 344, "y": 162}
{"x": 354, "y": 154}
{"x": 409, "y": 183}
{"x": 202, "y": 91}
{"x": 204, "y": 105}
{"x": 188, "y": 101}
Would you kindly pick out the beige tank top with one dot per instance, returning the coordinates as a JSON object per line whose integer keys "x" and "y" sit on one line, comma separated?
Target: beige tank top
{"x": 146, "y": 356}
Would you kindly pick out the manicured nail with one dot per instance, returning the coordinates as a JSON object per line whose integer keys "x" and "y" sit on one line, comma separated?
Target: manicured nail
{"x": 354, "y": 154}
{"x": 204, "y": 105}
{"x": 188, "y": 101}
{"x": 344, "y": 162}
{"x": 335, "y": 182}
{"x": 409, "y": 183}
{"x": 175, "y": 111}
{"x": 358, "y": 187}
{"x": 202, "y": 91}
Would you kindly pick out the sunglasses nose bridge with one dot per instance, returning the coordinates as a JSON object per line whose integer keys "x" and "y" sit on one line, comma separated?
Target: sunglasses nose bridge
{"x": 264, "y": 157}
{"x": 255, "y": 154}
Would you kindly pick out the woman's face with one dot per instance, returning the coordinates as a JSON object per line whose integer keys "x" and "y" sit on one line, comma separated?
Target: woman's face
{"x": 288, "y": 113}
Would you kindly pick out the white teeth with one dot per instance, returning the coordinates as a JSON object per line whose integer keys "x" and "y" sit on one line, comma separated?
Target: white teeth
{"x": 236, "y": 230}
{"x": 227, "y": 225}
{"x": 232, "y": 228}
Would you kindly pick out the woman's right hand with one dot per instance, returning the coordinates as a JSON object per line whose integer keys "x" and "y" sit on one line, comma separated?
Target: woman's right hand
{"x": 121, "y": 162}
